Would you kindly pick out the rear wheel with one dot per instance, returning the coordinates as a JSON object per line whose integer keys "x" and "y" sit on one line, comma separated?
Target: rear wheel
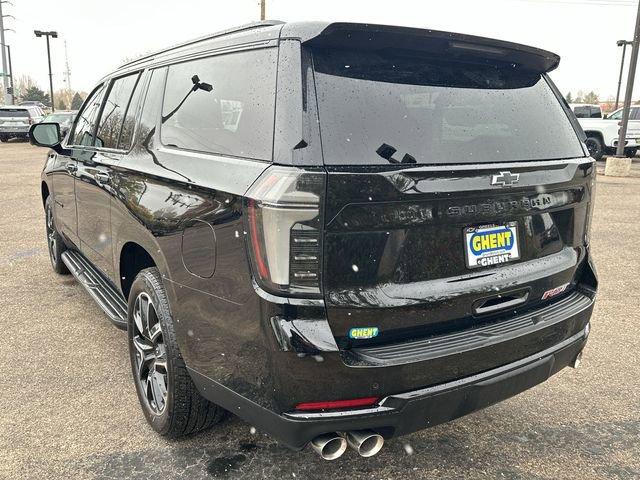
{"x": 54, "y": 241}
{"x": 4, "y": 139}
{"x": 170, "y": 401}
{"x": 595, "y": 147}
{"x": 630, "y": 152}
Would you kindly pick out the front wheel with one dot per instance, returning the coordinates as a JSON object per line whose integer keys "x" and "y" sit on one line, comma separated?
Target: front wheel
{"x": 630, "y": 152}
{"x": 54, "y": 241}
{"x": 169, "y": 399}
{"x": 595, "y": 147}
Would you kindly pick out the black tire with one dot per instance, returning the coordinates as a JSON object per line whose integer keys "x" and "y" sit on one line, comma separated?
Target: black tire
{"x": 4, "y": 139}
{"x": 630, "y": 152}
{"x": 169, "y": 399}
{"x": 55, "y": 243}
{"x": 595, "y": 147}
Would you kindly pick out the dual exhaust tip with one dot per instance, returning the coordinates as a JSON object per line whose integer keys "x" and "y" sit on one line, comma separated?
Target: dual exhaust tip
{"x": 331, "y": 446}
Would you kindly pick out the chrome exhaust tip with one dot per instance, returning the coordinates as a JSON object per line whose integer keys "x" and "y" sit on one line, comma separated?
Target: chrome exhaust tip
{"x": 577, "y": 361}
{"x": 329, "y": 446}
{"x": 366, "y": 442}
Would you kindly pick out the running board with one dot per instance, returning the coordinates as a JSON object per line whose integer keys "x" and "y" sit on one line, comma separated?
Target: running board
{"x": 100, "y": 289}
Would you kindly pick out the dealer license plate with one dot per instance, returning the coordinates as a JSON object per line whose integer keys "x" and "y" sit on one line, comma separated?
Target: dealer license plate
{"x": 489, "y": 245}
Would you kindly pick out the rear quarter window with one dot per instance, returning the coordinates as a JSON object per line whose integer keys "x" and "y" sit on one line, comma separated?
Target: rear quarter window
{"x": 223, "y": 104}
{"x": 380, "y": 107}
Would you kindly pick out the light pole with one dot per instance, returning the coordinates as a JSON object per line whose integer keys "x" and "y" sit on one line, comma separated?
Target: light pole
{"x": 52, "y": 34}
{"x": 8, "y": 98}
{"x": 633, "y": 62}
{"x": 623, "y": 44}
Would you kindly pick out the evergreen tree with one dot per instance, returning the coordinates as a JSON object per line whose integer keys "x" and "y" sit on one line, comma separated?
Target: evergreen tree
{"x": 76, "y": 101}
{"x": 34, "y": 94}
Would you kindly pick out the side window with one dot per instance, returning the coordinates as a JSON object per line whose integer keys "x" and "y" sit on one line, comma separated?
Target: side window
{"x": 581, "y": 112}
{"x": 616, "y": 115}
{"x": 116, "y": 108}
{"x": 223, "y": 104}
{"x": 634, "y": 114}
{"x": 152, "y": 106}
{"x": 129, "y": 124}
{"x": 85, "y": 121}
{"x": 595, "y": 112}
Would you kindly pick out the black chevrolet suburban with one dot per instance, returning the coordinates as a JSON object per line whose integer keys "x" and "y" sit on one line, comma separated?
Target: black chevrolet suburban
{"x": 339, "y": 232}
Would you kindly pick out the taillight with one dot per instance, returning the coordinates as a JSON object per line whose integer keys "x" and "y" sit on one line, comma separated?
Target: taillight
{"x": 283, "y": 218}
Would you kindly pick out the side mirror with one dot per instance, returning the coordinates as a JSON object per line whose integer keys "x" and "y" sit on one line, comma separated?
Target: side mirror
{"x": 605, "y": 116}
{"x": 46, "y": 134}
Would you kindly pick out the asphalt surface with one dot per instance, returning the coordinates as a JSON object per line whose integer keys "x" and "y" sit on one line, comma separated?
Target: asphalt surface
{"x": 68, "y": 408}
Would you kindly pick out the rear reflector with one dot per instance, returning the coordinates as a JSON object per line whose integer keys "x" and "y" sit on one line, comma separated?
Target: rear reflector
{"x": 337, "y": 404}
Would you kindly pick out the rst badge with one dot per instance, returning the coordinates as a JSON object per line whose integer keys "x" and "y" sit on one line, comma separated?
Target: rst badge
{"x": 491, "y": 244}
{"x": 554, "y": 291}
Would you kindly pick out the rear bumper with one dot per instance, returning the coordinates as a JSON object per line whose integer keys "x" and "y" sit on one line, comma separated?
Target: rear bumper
{"x": 407, "y": 412}
{"x": 14, "y": 131}
{"x": 630, "y": 142}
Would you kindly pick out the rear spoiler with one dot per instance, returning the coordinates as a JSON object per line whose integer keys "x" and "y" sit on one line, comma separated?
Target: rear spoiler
{"x": 456, "y": 46}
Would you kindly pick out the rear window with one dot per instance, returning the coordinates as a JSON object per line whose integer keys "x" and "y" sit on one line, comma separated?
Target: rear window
{"x": 582, "y": 112}
{"x": 223, "y": 104}
{"x": 59, "y": 117}
{"x": 385, "y": 107}
{"x": 14, "y": 113}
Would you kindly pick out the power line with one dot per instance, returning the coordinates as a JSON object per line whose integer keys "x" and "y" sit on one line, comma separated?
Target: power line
{"x": 583, "y": 3}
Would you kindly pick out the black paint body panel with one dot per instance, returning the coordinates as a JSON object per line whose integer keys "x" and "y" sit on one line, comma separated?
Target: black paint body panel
{"x": 401, "y": 227}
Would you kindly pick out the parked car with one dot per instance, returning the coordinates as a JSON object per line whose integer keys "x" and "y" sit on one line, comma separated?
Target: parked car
{"x": 64, "y": 118}
{"x": 329, "y": 227}
{"x": 602, "y": 133}
{"x": 583, "y": 110}
{"x": 34, "y": 103}
{"x": 16, "y": 120}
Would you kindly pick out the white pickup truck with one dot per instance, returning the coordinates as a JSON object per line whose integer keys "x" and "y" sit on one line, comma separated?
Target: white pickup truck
{"x": 602, "y": 131}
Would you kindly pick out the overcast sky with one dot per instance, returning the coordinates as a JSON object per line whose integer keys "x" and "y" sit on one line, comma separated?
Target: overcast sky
{"x": 101, "y": 34}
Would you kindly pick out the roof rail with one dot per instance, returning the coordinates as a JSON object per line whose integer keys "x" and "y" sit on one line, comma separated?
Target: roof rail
{"x": 221, "y": 33}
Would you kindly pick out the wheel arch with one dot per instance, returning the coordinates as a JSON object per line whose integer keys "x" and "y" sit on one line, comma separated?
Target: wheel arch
{"x": 132, "y": 259}
{"x": 596, "y": 134}
{"x": 44, "y": 190}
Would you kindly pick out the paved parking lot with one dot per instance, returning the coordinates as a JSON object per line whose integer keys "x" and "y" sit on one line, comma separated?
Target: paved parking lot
{"x": 68, "y": 408}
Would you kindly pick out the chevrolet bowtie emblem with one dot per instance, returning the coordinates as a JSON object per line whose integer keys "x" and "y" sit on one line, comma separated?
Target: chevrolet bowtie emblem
{"x": 505, "y": 179}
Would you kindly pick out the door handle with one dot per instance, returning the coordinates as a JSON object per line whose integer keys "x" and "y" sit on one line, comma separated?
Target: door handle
{"x": 71, "y": 167}
{"x": 102, "y": 177}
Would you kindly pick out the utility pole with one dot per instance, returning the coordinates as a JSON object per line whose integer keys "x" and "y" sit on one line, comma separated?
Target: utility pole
{"x": 8, "y": 98}
{"x": 52, "y": 34}
{"x": 629, "y": 91}
{"x": 263, "y": 9}
{"x": 623, "y": 44}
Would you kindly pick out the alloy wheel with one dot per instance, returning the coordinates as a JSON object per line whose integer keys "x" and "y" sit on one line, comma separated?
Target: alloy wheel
{"x": 150, "y": 353}
{"x": 593, "y": 147}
